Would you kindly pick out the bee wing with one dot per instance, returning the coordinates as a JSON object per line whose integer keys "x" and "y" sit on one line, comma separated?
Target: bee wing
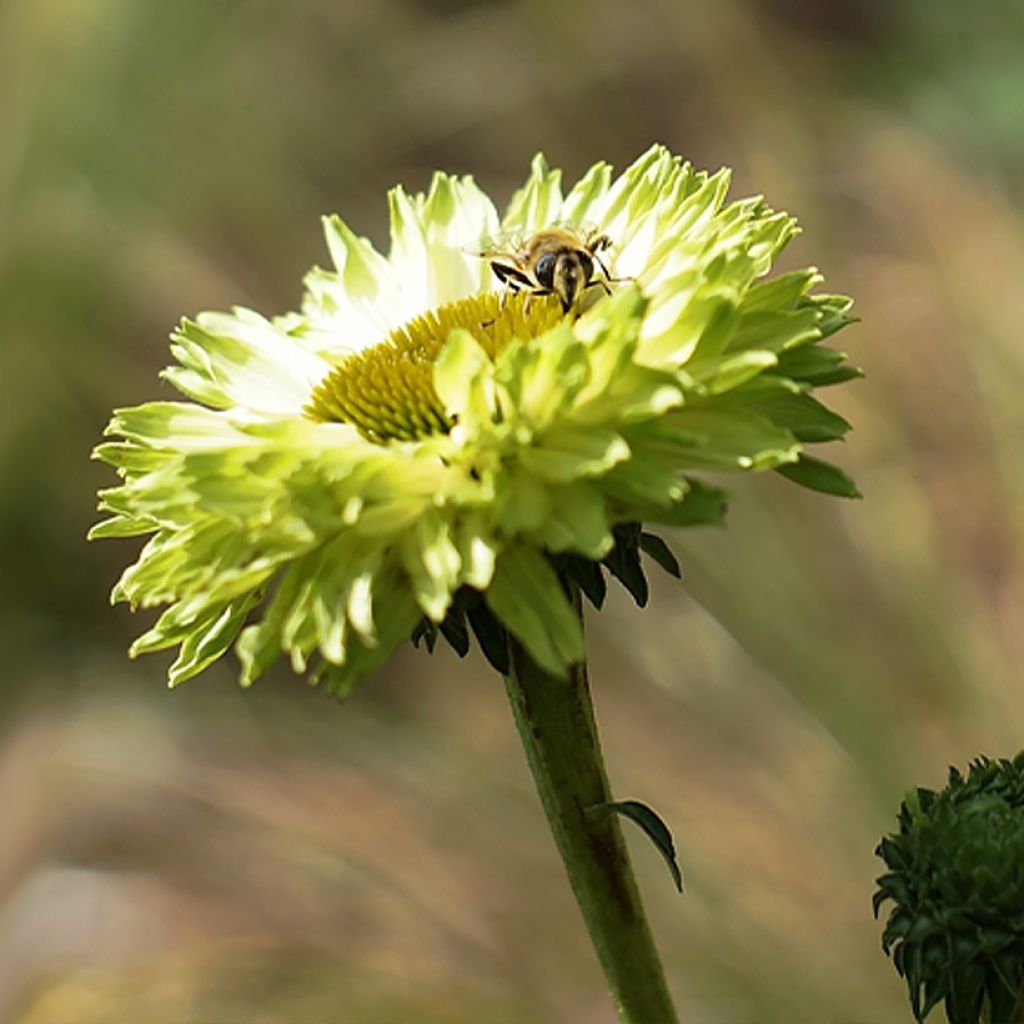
{"x": 504, "y": 245}
{"x": 582, "y": 229}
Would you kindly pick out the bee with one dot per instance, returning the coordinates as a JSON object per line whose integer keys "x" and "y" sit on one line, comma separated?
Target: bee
{"x": 562, "y": 261}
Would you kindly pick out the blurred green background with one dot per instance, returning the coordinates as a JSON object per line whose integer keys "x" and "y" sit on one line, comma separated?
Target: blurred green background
{"x": 212, "y": 855}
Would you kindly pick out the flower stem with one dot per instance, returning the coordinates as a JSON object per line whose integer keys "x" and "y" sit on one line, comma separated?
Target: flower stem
{"x": 555, "y": 719}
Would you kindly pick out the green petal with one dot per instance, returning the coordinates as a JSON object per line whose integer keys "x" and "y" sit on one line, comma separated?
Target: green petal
{"x": 579, "y": 206}
{"x": 544, "y": 379}
{"x": 805, "y": 417}
{"x": 522, "y": 502}
{"x": 357, "y": 303}
{"x": 179, "y": 426}
{"x": 527, "y": 596}
{"x": 782, "y": 292}
{"x": 817, "y": 366}
{"x": 623, "y": 209}
{"x": 776, "y": 330}
{"x": 735, "y": 370}
{"x": 568, "y": 452}
{"x": 203, "y": 647}
{"x": 478, "y": 550}
{"x": 259, "y": 645}
{"x": 457, "y": 217}
{"x": 463, "y": 379}
{"x": 433, "y": 564}
{"x": 702, "y": 505}
{"x": 242, "y": 359}
{"x": 820, "y": 476}
{"x": 719, "y": 438}
{"x": 578, "y": 522}
{"x": 120, "y": 526}
{"x": 538, "y": 203}
{"x": 397, "y": 614}
{"x": 203, "y": 636}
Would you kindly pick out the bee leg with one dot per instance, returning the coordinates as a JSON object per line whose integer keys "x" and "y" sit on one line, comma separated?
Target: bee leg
{"x": 501, "y": 309}
{"x": 596, "y": 282}
{"x": 607, "y": 276}
{"x": 505, "y": 292}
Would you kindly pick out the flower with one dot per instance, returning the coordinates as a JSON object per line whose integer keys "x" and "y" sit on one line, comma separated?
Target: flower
{"x": 416, "y": 450}
{"x": 956, "y": 879}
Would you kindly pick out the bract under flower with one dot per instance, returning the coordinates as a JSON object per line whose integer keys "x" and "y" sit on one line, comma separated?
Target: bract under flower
{"x": 284, "y": 524}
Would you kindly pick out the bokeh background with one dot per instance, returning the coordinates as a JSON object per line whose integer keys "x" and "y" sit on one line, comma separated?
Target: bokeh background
{"x": 211, "y": 855}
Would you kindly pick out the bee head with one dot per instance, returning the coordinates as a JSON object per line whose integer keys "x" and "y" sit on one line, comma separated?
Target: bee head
{"x": 569, "y": 273}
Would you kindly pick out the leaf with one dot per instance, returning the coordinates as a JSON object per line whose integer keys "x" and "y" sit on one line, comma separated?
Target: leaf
{"x": 453, "y": 628}
{"x": 491, "y": 636}
{"x": 819, "y": 475}
{"x": 654, "y": 828}
{"x": 587, "y": 575}
{"x": 654, "y": 546}
{"x": 702, "y": 505}
{"x": 730, "y": 434}
{"x": 425, "y": 633}
{"x": 817, "y": 365}
{"x": 624, "y": 563}
{"x": 806, "y": 417}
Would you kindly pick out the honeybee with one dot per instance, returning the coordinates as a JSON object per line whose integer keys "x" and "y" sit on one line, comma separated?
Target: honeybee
{"x": 561, "y": 261}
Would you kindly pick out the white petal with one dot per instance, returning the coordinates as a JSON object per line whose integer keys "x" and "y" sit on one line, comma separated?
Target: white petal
{"x": 538, "y": 204}
{"x": 355, "y": 305}
{"x": 435, "y": 241}
{"x": 580, "y": 205}
{"x": 250, "y": 362}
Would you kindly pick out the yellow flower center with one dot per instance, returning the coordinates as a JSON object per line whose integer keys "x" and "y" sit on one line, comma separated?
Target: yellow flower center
{"x": 387, "y": 391}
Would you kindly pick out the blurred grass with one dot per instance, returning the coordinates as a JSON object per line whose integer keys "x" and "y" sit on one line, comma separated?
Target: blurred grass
{"x": 212, "y": 855}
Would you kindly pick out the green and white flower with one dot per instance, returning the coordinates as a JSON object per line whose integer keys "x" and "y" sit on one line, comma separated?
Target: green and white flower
{"x": 414, "y": 451}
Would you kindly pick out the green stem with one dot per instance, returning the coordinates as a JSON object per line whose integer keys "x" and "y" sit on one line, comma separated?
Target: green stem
{"x": 555, "y": 719}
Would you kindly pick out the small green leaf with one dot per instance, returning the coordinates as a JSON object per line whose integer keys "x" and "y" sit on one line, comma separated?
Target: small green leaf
{"x": 806, "y": 417}
{"x": 587, "y": 574}
{"x": 817, "y": 365}
{"x": 425, "y": 633}
{"x": 819, "y": 476}
{"x": 453, "y": 628}
{"x": 834, "y": 311}
{"x": 491, "y": 636}
{"x": 624, "y": 562}
{"x": 654, "y": 546}
{"x": 655, "y": 829}
{"x": 703, "y": 505}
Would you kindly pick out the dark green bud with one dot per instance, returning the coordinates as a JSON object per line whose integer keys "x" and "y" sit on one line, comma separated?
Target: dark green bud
{"x": 956, "y": 879}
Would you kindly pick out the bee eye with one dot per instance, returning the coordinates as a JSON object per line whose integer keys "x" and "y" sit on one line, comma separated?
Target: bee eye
{"x": 544, "y": 271}
{"x": 587, "y": 266}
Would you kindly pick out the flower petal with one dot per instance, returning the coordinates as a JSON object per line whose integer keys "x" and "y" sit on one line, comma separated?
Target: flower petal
{"x": 435, "y": 242}
{"x": 241, "y": 359}
{"x": 527, "y": 596}
{"x": 538, "y": 204}
{"x": 357, "y": 303}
